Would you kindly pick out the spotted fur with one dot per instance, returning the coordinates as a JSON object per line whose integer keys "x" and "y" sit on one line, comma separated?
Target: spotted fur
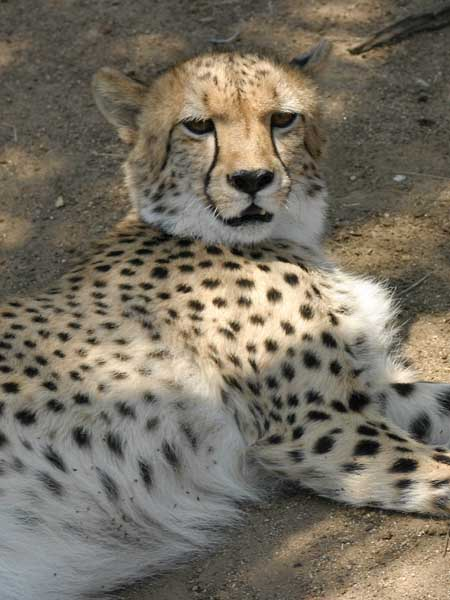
{"x": 161, "y": 381}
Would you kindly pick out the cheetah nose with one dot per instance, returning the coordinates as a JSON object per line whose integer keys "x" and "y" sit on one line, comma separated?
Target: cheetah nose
{"x": 251, "y": 182}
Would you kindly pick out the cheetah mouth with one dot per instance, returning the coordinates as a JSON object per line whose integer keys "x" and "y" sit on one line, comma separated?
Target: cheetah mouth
{"x": 251, "y": 215}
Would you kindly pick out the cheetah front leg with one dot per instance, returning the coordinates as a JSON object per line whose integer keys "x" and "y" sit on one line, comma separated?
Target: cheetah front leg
{"x": 422, "y": 409}
{"x": 360, "y": 459}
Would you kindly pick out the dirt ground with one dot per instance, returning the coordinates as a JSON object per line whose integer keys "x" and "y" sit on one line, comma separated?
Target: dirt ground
{"x": 387, "y": 114}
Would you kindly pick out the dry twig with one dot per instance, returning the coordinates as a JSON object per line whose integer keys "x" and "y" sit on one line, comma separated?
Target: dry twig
{"x": 404, "y": 28}
{"x": 447, "y": 542}
{"x": 227, "y": 40}
{"x": 414, "y": 285}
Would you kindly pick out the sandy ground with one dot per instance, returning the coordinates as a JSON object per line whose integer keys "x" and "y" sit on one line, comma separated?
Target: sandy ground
{"x": 387, "y": 113}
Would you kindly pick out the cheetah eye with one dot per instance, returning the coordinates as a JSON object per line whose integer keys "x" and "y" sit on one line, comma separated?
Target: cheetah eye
{"x": 283, "y": 120}
{"x": 199, "y": 127}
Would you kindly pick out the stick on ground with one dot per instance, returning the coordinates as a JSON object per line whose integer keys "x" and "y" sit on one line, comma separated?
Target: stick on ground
{"x": 404, "y": 28}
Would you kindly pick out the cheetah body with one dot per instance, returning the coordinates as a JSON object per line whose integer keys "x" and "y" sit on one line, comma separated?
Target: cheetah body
{"x": 160, "y": 381}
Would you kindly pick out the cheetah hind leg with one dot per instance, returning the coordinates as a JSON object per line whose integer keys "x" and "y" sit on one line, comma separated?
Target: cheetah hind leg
{"x": 422, "y": 409}
{"x": 363, "y": 461}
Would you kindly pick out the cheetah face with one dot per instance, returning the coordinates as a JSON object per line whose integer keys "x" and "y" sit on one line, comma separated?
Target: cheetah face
{"x": 224, "y": 147}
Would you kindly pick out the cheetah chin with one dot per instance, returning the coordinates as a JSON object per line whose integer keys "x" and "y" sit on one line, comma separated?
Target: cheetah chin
{"x": 205, "y": 349}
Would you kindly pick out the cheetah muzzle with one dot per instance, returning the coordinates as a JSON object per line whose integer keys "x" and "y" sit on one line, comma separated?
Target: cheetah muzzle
{"x": 206, "y": 344}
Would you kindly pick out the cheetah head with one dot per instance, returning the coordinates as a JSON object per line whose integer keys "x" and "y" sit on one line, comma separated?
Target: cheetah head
{"x": 224, "y": 146}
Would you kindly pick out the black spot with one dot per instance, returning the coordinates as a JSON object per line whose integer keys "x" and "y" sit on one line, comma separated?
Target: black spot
{"x": 205, "y": 264}
{"x": 404, "y": 465}
{"x": 339, "y": 406}
{"x": 317, "y": 415}
{"x": 306, "y": 311}
{"x": 296, "y": 455}
{"x": 55, "y": 405}
{"x": 395, "y": 437}
{"x": 443, "y": 399}
{"x": 54, "y": 459}
{"x": 328, "y": 340}
{"x": 297, "y": 432}
{"x": 275, "y": 439}
{"x": 146, "y": 473}
{"x": 127, "y": 272}
{"x": 231, "y": 266}
{"x": 277, "y": 402}
{"x": 211, "y": 284}
{"x": 314, "y": 397}
{"x": 442, "y": 458}
{"x": 41, "y": 360}
{"x": 245, "y": 283}
{"x": 196, "y": 305}
{"x": 287, "y": 327}
{"x": 404, "y": 484}
{"x": 358, "y": 400}
{"x": 291, "y": 279}
{"x": 366, "y": 430}
{"x": 352, "y": 467}
{"x": 50, "y": 385}
{"x": 159, "y": 273}
{"x": 219, "y": 302}
{"x": 323, "y": 445}
{"x": 125, "y": 410}
{"x": 114, "y": 442}
{"x": 25, "y": 417}
{"x": 81, "y": 437}
{"x": 187, "y": 430}
{"x": 102, "y": 268}
{"x": 81, "y": 398}
{"x": 310, "y": 360}
{"x": 270, "y": 345}
{"x": 152, "y": 423}
{"x": 235, "y": 326}
{"x": 50, "y": 483}
{"x": 333, "y": 319}
{"x": 244, "y": 301}
{"x": 402, "y": 449}
{"x": 31, "y": 371}
{"x": 439, "y": 483}
{"x": 257, "y": 320}
{"x": 335, "y": 367}
{"x": 3, "y": 439}
{"x": 215, "y": 250}
{"x": 404, "y": 389}
{"x": 420, "y": 426}
{"x": 292, "y": 400}
{"x": 170, "y": 454}
{"x": 10, "y": 387}
{"x": 109, "y": 485}
{"x": 366, "y": 448}
{"x": 274, "y": 295}
{"x": 288, "y": 371}
{"x": 149, "y": 398}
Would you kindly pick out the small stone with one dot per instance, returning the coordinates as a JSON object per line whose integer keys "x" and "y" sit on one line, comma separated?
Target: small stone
{"x": 352, "y": 177}
{"x": 59, "y": 202}
{"x": 399, "y": 178}
{"x": 422, "y": 83}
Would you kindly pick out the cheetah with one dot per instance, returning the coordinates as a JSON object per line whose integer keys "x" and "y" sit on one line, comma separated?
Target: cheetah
{"x": 205, "y": 348}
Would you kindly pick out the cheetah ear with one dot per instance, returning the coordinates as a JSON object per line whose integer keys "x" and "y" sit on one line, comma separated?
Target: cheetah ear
{"x": 314, "y": 59}
{"x": 120, "y": 100}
